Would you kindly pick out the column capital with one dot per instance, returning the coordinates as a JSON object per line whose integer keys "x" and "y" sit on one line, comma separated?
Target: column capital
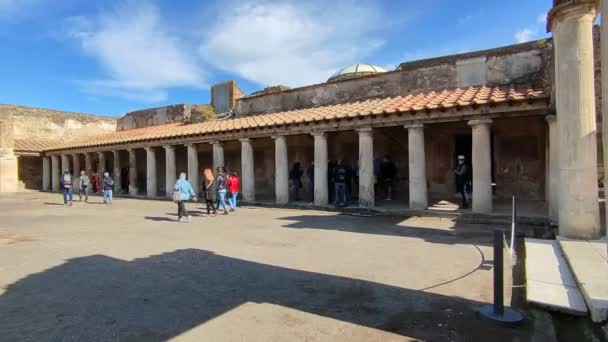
{"x": 414, "y": 126}
{"x": 480, "y": 122}
{"x": 245, "y": 140}
{"x": 570, "y": 8}
{"x": 216, "y": 142}
{"x": 318, "y": 134}
{"x": 190, "y": 145}
{"x": 364, "y": 130}
{"x": 149, "y": 148}
{"x": 169, "y": 147}
{"x": 550, "y": 118}
{"x": 278, "y": 137}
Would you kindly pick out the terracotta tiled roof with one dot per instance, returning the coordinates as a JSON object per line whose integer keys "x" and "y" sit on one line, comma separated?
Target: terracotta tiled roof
{"x": 34, "y": 145}
{"x": 410, "y": 102}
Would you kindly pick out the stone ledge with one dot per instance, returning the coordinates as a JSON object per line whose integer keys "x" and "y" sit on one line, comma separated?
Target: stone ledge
{"x": 589, "y": 263}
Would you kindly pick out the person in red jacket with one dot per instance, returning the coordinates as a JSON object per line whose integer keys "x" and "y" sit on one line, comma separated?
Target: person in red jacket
{"x": 233, "y": 186}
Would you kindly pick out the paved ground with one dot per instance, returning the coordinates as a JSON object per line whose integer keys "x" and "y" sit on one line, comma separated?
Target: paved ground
{"x": 129, "y": 272}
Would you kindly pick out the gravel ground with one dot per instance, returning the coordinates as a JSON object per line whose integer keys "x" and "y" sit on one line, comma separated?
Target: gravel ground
{"x": 129, "y": 272}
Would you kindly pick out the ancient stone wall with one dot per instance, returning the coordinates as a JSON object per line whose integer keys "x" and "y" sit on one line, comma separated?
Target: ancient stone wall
{"x": 37, "y": 123}
{"x": 162, "y": 115}
{"x": 521, "y": 63}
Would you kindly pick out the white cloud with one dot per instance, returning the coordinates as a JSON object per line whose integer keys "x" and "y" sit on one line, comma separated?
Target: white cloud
{"x": 141, "y": 58}
{"x": 293, "y": 43}
{"x": 542, "y": 18}
{"x": 525, "y": 35}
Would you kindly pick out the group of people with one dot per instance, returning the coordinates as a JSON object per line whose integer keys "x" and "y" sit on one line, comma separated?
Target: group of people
{"x": 86, "y": 183}
{"x": 341, "y": 177}
{"x": 218, "y": 191}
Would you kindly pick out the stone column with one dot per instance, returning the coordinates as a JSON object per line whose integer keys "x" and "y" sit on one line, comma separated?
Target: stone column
{"x": 55, "y": 173}
{"x": 572, "y": 26}
{"x": 604, "y": 87}
{"x": 552, "y": 168}
{"x": 65, "y": 163}
{"x": 482, "y": 166}
{"x": 218, "y": 155}
{"x": 281, "y": 166}
{"x": 88, "y": 165}
{"x": 366, "y": 168}
{"x": 170, "y": 174}
{"x": 193, "y": 165}
{"x": 150, "y": 172}
{"x": 46, "y": 173}
{"x": 117, "y": 172}
{"x": 247, "y": 170}
{"x": 417, "y": 167}
{"x": 101, "y": 164}
{"x": 321, "y": 191}
{"x": 132, "y": 173}
{"x": 76, "y": 168}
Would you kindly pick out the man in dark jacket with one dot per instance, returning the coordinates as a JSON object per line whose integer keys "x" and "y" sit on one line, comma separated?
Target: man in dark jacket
{"x": 388, "y": 172}
{"x": 461, "y": 174}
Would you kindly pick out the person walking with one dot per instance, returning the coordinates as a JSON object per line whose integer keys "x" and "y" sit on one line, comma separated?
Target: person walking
{"x": 295, "y": 175}
{"x": 340, "y": 178}
{"x": 83, "y": 186}
{"x": 93, "y": 181}
{"x": 183, "y": 192}
{"x": 388, "y": 172}
{"x": 310, "y": 182}
{"x": 220, "y": 185}
{"x": 461, "y": 175}
{"x": 207, "y": 190}
{"x": 233, "y": 187}
{"x": 108, "y": 185}
{"x": 66, "y": 185}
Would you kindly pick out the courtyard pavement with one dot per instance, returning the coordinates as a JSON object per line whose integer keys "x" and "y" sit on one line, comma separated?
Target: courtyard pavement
{"x": 129, "y": 272}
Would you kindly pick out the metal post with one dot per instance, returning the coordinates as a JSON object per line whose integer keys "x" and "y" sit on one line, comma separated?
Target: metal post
{"x": 497, "y": 311}
{"x": 499, "y": 306}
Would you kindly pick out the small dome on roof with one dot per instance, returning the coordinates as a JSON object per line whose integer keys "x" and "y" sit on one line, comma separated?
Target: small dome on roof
{"x": 355, "y": 70}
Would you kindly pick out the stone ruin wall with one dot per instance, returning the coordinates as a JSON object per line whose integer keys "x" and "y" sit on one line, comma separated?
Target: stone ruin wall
{"x": 521, "y": 63}
{"x": 37, "y": 123}
{"x": 163, "y": 115}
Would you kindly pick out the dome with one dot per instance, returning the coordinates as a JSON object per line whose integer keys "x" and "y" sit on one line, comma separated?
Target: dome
{"x": 355, "y": 70}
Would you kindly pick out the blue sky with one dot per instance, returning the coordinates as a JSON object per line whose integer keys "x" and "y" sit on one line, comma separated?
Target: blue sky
{"x": 111, "y": 57}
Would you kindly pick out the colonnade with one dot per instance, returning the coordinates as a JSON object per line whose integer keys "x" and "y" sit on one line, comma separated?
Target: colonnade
{"x": 418, "y": 196}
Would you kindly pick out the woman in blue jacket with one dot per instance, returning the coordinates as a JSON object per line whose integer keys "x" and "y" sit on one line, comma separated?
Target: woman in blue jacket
{"x": 185, "y": 194}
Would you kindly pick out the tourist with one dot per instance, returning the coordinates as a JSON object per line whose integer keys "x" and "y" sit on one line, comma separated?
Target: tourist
{"x": 233, "y": 187}
{"x": 340, "y": 177}
{"x": 310, "y": 182}
{"x": 207, "y": 190}
{"x": 184, "y": 193}
{"x": 295, "y": 175}
{"x": 93, "y": 181}
{"x": 83, "y": 186}
{"x": 461, "y": 174}
{"x": 220, "y": 184}
{"x": 108, "y": 185}
{"x": 66, "y": 185}
{"x": 388, "y": 171}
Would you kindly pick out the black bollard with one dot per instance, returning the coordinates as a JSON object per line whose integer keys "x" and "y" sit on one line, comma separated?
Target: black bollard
{"x": 499, "y": 303}
{"x": 497, "y": 311}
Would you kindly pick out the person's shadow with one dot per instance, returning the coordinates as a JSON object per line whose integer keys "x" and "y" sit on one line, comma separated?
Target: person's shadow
{"x": 99, "y": 298}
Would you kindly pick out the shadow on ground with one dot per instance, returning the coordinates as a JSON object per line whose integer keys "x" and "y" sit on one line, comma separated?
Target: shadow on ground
{"x": 155, "y": 298}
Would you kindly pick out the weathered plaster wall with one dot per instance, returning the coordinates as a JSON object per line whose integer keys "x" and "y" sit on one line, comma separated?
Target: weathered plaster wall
{"x": 162, "y": 115}
{"x": 519, "y": 63}
{"x": 29, "y": 170}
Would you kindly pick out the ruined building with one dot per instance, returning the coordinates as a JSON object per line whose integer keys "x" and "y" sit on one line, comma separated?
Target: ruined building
{"x": 523, "y": 115}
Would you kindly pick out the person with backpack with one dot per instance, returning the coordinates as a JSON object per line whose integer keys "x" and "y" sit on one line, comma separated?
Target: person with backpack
{"x": 66, "y": 185}
{"x": 207, "y": 191}
{"x": 83, "y": 186}
{"x": 461, "y": 174}
{"x": 340, "y": 178}
{"x": 183, "y": 192}
{"x": 108, "y": 185}
{"x": 233, "y": 187}
{"x": 220, "y": 186}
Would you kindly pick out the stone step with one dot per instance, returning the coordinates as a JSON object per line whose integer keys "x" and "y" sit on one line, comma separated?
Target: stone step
{"x": 550, "y": 282}
{"x": 589, "y": 263}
